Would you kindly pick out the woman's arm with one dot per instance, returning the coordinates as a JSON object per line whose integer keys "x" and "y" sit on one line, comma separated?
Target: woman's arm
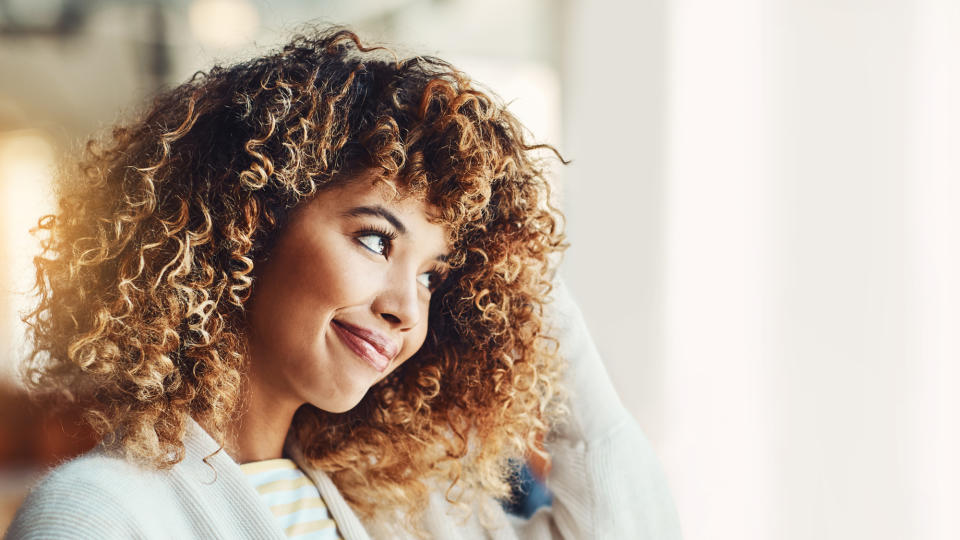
{"x": 605, "y": 478}
{"x": 79, "y": 501}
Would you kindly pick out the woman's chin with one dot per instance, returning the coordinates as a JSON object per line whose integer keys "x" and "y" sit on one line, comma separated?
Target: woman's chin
{"x": 341, "y": 405}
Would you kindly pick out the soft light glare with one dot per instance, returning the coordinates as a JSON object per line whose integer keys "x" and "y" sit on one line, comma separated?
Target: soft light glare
{"x": 716, "y": 273}
{"x": 223, "y": 23}
{"x": 26, "y": 175}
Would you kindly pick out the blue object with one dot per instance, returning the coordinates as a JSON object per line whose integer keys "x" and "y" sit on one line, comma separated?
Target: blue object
{"x": 528, "y": 494}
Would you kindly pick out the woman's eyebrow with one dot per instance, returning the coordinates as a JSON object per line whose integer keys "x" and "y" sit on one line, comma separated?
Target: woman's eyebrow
{"x": 378, "y": 211}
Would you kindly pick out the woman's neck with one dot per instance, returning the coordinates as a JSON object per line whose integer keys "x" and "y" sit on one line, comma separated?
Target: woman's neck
{"x": 261, "y": 430}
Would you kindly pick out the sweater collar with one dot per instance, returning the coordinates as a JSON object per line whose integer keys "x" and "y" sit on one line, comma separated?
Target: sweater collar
{"x": 208, "y": 467}
{"x": 207, "y": 461}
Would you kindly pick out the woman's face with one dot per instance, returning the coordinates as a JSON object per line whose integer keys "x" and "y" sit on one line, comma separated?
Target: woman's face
{"x": 344, "y": 296}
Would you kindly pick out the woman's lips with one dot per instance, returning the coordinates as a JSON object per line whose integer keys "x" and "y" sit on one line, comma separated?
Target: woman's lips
{"x": 372, "y": 346}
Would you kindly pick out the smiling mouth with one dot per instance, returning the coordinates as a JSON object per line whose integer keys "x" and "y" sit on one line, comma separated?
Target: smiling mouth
{"x": 353, "y": 337}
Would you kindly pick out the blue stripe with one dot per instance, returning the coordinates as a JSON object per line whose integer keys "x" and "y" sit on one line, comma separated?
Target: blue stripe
{"x": 300, "y": 516}
{"x": 266, "y": 477}
{"x": 283, "y": 497}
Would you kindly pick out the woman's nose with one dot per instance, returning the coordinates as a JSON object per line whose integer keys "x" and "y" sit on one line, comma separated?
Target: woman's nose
{"x": 399, "y": 302}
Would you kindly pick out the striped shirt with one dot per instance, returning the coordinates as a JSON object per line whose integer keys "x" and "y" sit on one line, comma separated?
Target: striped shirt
{"x": 292, "y": 498}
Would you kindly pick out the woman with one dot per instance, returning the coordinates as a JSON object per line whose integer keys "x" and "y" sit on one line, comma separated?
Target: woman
{"x": 324, "y": 271}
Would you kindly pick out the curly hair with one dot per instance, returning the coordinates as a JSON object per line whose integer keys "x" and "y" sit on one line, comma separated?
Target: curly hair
{"x": 152, "y": 254}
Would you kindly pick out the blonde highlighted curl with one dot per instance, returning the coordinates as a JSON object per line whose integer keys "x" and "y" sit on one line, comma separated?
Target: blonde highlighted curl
{"x": 153, "y": 253}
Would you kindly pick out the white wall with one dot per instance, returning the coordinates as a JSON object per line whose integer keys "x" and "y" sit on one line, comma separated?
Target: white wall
{"x": 615, "y": 105}
{"x": 768, "y": 253}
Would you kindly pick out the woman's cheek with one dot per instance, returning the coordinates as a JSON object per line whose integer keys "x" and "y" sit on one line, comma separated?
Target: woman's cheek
{"x": 418, "y": 336}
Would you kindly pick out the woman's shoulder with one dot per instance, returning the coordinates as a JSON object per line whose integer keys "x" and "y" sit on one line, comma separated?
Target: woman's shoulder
{"x": 96, "y": 495}
{"x": 99, "y": 470}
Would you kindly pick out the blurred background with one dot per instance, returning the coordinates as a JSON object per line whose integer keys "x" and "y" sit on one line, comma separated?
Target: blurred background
{"x": 762, "y": 206}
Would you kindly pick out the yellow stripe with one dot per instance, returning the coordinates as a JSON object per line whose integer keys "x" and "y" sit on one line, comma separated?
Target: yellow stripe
{"x": 287, "y": 484}
{"x": 302, "y": 504}
{"x": 279, "y": 464}
{"x": 310, "y": 526}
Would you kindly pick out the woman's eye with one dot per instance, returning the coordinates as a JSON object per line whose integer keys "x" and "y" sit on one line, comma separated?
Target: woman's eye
{"x": 376, "y": 243}
{"x": 429, "y": 280}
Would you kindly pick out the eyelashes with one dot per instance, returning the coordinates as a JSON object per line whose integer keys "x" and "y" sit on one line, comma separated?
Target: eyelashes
{"x": 379, "y": 241}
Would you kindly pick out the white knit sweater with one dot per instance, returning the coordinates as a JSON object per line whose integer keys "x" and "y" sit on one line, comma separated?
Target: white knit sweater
{"x": 605, "y": 480}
